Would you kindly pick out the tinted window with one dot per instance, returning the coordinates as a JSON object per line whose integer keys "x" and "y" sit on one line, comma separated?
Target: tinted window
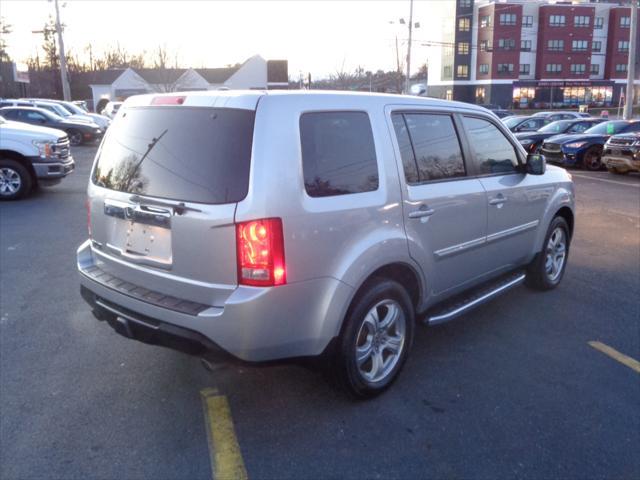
{"x": 190, "y": 154}
{"x": 493, "y": 153}
{"x": 579, "y": 127}
{"x": 513, "y": 121}
{"x": 406, "y": 150}
{"x": 10, "y": 114}
{"x": 556, "y": 127}
{"x": 608, "y": 128}
{"x": 533, "y": 124}
{"x": 32, "y": 116}
{"x": 634, "y": 127}
{"x": 435, "y": 145}
{"x": 338, "y": 153}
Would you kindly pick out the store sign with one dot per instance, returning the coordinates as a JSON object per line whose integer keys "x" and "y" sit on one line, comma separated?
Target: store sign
{"x": 551, "y": 84}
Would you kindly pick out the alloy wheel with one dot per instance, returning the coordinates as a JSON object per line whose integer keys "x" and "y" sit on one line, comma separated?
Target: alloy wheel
{"x": 10, "y": 181}
{"x": 556, "y": 253}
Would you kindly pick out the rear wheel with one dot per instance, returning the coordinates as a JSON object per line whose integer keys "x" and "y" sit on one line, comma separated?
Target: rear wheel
{"x": 75, "y": 137}
{"x": 591, "y": 159}
{"x": 547, "y": 269}
{"x": 376, "y": 339}
{"x": 15, "y": 180}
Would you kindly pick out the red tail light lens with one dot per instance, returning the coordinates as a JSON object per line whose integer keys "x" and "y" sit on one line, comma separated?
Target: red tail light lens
{"x": 260, "y": 250}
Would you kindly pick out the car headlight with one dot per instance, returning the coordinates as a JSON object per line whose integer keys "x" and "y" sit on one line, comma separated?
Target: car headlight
{"x": 576, "y": 144}
{"x": 526, "y": 141}
{"x": 44, "y": 147}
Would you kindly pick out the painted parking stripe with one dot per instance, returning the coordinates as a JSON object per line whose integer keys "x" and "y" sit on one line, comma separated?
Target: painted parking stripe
{"x": 589, "y": 177}
{"x": 616, "y": 355}
{"x": 224, "y": 451}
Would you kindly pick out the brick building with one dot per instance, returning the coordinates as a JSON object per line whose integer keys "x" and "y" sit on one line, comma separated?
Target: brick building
{"x": 533, "y": 53}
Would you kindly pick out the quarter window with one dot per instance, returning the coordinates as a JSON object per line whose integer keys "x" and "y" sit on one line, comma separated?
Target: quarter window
{"x": 338, "y": 153}
{"x": 493, "y": 153}
{"x": 435, "y": 147}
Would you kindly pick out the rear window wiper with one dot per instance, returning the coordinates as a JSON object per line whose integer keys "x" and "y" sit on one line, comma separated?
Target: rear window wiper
{"x": 179, "y": 207}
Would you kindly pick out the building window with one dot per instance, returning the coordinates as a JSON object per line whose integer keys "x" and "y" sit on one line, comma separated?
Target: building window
{"x": 554, "y": 67}
{"x": 578, "y": 68}
{"x": 507, "y": 19}
{"x": 527, "y": 21}
{"x": 464, "y": 3}
{"x": 579, "y": 45}
{"x": 625, "y": 22}
{"x": 623, "y": 46}
{"x": 555, "y": 45}
{"x": 621, "y": 67}
{"x": 449, "y": 95}
{"x": 485, "y": 21}
{"x": 595, "y": 69}
{"x": 464, "y": 24}
{"x": 447, "y": 72}
{"x": 557, "y": 20}
{"x": 525, "y": 69}
{"x": 485, "y": 46}
{"x": 581, "y": 21}
{"x": 463, "y": 48}
{"x": 596, "y": 46}
{"x": 505, "y": 68}
{"x": 480, "y": 95}
{"x": 483, "y": 68}
{"x": 462, "y": 71}
{"x": 506, "y": 43}
{"x": 525, "y": 45}
{"x": 599, "y": 23}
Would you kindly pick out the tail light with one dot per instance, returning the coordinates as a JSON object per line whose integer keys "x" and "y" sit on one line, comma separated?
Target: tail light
{"x": 260, "y": 250}
{"x": 87, "y": 204}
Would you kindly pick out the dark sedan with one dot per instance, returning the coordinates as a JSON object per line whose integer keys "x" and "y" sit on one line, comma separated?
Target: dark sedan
{"x": 585, "y": 149}
{"x": 78, "y": 132}
{"x": 524, "y": 123}
{"x": 532, "y": 141}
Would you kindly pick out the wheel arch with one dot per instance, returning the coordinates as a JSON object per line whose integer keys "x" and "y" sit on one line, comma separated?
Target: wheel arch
{"x": 21, "y": 159}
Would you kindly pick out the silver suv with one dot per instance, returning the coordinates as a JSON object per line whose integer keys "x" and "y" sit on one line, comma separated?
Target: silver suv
{"x": 273, "y": 225}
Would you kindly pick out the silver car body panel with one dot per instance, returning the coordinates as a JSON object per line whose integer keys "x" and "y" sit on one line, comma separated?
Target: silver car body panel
{"x": 332, "y": 244}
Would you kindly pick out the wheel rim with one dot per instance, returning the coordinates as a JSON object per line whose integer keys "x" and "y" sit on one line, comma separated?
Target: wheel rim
{"x": 380, "y": 341}
{"x": 593, "y": 160}
{"x": 10, "y": 181}
{"x": 556, "y": 254}
{"x": 75, "y": 138}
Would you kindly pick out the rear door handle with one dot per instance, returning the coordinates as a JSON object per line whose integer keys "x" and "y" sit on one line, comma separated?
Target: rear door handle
{"x": 424, "y": 211}
{"x": 499, "y": 200}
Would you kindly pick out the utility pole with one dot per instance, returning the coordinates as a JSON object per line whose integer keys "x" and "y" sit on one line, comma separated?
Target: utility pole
{"x": 409, "y": 47}
{"x": 628, "y": 107}
{"x": 66, "y": 91}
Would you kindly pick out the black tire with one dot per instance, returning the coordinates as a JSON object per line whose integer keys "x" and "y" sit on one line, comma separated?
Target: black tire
{"x": 344, "y": 365}
{"x": 15, "y": 180}
{"x": 538, "y": 275}
{"x": 592, "y": 159}
{"x": 75, "y": 137}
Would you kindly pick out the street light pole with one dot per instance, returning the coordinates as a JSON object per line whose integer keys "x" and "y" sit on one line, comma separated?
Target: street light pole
{"x": 628, "y": 106}
{"x": 409, "y": 48}
{"x": 66, "y": 91}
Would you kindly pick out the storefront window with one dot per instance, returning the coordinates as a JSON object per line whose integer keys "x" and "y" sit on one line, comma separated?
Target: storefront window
{"x": 523, "y": 96}
{"x": 480, "y": 95}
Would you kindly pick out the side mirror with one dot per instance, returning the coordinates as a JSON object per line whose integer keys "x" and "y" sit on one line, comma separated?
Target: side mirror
{"x": 536, "y": 164}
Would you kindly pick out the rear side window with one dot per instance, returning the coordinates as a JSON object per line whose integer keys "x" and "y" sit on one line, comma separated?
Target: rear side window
{"x": 435, "y": 148}
{"x": 338, "y": 153}
{"x": 493, "y": 153}
{"x": 190, "y": 154}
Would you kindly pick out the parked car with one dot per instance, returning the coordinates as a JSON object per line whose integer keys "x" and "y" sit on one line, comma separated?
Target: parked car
{"x": 102, "y": 121}
{"x": 622, "y": 153}
{"x": 78, "y": 132}
{"x": 532, "y": 141}
{"x": 525, "y": 123}
{"x": 272, "y": 225}
{"x": 553, "y": 116}
{"x": 585, "y": 149}
{"x": 110, "y": 109}
{"x": 498, "y": 110}
{"x": 14, "y": 103}
{"x": 61, "y": 111}
{"x": 31, "y": 155}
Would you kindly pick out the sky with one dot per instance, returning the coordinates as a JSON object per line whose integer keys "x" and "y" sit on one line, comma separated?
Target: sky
{"x": 317, "y": 37}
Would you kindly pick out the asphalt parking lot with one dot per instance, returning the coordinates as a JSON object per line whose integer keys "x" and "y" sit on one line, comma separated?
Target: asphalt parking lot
{"x": 512, "y": 389}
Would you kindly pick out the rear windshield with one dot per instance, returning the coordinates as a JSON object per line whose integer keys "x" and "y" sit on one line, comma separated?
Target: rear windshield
{"x": 190, "y": 154}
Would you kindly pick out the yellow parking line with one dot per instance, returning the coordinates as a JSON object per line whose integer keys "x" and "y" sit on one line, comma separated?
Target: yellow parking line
{"x": 224, "y": 451}
{"x": 616, "y": 355}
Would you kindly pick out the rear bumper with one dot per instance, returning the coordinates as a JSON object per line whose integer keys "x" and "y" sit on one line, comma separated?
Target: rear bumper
{"x": 254, "y": 324}
{"x": 53, "y": 170}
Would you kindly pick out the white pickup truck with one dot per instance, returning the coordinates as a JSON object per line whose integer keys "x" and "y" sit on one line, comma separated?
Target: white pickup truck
{"x": 31, "y": 155}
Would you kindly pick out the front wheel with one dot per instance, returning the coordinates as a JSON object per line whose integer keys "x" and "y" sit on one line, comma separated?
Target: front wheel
{"x": 15, "y": 180}
{"x": 547, "y": 269}
{"x": 75, "y": 137}
{"x": 591, "y": 159}
{"x": 376, "y": 339}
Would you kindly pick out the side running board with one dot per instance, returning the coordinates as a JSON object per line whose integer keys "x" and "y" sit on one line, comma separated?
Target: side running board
{"x": 462, "y": 304}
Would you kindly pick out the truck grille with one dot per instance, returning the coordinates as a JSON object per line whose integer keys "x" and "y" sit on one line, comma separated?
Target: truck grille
{"x": 551, "y": 148}
{"x": 61, "y": 148}
{"x": 621, "y": 141}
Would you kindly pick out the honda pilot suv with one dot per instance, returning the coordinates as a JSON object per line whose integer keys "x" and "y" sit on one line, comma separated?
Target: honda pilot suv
{"x": 276, "y": 225}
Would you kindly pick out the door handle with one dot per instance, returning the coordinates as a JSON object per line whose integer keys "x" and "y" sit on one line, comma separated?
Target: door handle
{"x": 499, "y": 200}
{"x": 424, "y": 211}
